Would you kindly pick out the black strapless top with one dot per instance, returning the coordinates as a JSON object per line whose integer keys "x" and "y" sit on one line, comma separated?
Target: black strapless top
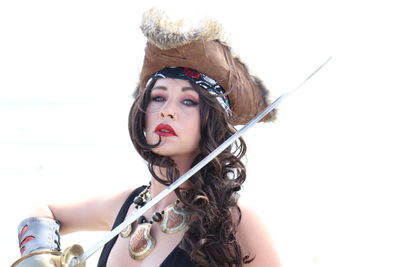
{"x": 177, "y": 258}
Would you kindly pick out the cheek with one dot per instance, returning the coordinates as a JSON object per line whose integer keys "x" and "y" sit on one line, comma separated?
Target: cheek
{"x": 153, "y": 107}
{"x": 148, "y": 121}
{"x": 195, "y": 126}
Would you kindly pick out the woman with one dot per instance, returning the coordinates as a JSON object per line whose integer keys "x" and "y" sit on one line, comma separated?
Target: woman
{"x": 179, "y": 116}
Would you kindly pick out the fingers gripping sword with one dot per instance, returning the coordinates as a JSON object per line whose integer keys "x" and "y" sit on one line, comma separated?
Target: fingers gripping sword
{"x": 134, "y": 216}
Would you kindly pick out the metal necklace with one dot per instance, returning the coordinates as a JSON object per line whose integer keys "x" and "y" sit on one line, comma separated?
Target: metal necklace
{"x": 172, "y": 220}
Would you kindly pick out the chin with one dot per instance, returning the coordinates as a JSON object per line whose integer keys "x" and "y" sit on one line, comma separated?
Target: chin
{"x": 163, "y": 152}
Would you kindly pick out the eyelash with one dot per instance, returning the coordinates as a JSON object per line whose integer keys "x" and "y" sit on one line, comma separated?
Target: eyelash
{"x": 187, "y": 102}
{"x": 157, "y": 98}
{"x": 192, "y": 103}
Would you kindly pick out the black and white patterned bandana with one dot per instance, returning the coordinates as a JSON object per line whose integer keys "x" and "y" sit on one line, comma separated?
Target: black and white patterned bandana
{"x": 198, "y": 78}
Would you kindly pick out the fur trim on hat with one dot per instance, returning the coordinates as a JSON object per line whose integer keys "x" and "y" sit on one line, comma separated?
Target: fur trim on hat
{"x": 166, "y": 33}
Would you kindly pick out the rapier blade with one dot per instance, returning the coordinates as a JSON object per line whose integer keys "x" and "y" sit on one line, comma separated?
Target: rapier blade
{"x": 134, "y": 216}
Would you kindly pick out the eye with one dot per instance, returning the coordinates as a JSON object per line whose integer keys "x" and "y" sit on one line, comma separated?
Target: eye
{"x": 157, "y": 98}
{"x": 190, "y": 102}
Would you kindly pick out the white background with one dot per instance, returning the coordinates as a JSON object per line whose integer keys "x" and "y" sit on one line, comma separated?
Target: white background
{"x": 323, "y": 176}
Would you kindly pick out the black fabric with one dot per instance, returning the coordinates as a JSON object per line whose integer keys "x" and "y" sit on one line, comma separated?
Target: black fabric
{"x": 177, "y": 258}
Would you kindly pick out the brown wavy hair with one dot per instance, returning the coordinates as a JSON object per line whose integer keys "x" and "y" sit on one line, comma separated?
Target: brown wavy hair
{"x": 211, "y": 199}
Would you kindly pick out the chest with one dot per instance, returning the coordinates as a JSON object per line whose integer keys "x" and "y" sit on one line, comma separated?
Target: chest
{"x": 164, "y": 245}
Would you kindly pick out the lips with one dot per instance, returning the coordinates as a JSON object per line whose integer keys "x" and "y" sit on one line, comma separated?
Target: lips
{"x": 164, "y": 130}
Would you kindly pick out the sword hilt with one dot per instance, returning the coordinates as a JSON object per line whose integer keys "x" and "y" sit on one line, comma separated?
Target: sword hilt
{"x": 47, "y": 258}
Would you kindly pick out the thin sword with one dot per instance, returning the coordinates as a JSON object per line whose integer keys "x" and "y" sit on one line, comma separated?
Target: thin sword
{"x": 134, "y": 216}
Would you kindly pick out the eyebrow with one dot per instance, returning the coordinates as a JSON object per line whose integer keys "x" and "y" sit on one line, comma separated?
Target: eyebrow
{"x": 160, "y": 87}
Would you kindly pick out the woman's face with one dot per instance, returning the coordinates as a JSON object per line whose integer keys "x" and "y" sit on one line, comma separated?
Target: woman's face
{"x": 173, "y": 113}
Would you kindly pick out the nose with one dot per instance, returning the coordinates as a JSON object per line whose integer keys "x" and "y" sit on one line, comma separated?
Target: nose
{"x": 168, "y": 112}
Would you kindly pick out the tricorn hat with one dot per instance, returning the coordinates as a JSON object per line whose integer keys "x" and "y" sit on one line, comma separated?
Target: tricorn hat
{"x": 173, "y": 44}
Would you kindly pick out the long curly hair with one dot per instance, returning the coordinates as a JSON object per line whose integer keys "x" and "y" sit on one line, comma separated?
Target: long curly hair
{"x": 211, "y": 199}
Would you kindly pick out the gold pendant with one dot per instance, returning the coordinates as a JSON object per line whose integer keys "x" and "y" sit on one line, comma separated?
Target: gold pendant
{"x": 126, "y": 231}
{"x": 141, "y": 242}
{"x": 174, "y": 219}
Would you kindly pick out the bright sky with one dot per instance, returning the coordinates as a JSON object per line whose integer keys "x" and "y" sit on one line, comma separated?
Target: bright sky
{"x": 324, "y": 176}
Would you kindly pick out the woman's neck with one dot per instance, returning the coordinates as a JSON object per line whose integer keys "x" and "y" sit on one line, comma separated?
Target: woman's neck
{"x": 157, "y": 187}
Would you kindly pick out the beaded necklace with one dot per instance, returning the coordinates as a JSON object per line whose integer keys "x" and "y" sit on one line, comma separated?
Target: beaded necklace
{"x": 172, "y": 219}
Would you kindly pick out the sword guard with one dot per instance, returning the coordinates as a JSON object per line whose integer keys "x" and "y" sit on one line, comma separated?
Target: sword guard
{"x": 47, "y": 258}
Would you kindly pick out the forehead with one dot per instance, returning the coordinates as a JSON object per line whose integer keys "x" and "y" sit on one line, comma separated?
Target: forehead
{"x": 169, "y": 83}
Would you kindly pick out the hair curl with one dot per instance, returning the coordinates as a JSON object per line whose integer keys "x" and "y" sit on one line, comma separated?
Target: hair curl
{"x": 211, "y": 199}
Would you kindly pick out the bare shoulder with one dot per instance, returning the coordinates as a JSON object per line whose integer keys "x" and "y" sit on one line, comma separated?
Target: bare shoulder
{"x": 254, "y": 237}
{"x": 96, "y": 213}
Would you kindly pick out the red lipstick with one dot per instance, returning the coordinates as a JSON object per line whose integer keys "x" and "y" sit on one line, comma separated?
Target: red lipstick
{"x": 164, "y": 130}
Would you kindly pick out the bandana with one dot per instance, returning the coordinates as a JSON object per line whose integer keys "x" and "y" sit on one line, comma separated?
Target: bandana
{"x": 198, "y": 78}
